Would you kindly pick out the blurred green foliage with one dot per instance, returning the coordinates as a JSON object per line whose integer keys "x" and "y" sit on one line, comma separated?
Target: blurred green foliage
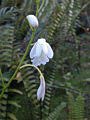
{"x": 67, "y": 75}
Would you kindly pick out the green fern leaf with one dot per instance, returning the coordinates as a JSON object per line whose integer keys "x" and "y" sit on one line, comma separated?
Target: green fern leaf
{"x": 56, "y": 113}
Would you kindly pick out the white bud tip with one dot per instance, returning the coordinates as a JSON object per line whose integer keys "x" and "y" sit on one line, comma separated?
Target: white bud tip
{"x": 33, "y": 21}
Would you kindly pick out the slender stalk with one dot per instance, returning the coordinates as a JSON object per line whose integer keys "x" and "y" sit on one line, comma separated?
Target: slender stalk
{"x": 30, "y": 65}
{"x": 22, "y": 60}
{"x": 38, "y": 4}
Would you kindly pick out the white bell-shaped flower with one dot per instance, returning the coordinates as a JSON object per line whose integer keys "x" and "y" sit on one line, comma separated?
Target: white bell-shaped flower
{"x": 41, "y": 52}
{"x": 33, "y": 21}
{"x": 41, "y": 89}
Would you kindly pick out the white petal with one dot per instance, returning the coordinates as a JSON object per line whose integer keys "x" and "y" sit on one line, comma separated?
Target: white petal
{"x": 36, "y": 61}
{"x": 43, "y": 94}
{"x": 39, "y": 93}
{"x": 45, "y": 48}
{"x": 33, "y": 21}
{"x": 41, "y": 89}
{"x": 41, "y": 41}
{"x": 33, "y": 51}
{"x": 43, "y": 86}
{"x": 50, "y": 51}
{"x": 38, "y": 50}
{"x": 41, "y": 52}
{"x": 44, "y": 60}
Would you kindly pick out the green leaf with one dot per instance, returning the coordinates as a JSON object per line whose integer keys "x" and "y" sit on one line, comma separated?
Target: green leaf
{"x": 11, "y": 116}
{"x": 15, "y": 91}
{"x": 56, "y": 113}
{"x": 14, "y": 104}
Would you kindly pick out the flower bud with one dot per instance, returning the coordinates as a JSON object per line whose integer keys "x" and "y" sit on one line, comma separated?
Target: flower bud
{"x": 41, "y": 89}
{"x": 33, "y": 21}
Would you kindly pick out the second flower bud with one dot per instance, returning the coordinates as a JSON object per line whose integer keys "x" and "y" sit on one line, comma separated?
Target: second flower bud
{"x": 33, "y": 21}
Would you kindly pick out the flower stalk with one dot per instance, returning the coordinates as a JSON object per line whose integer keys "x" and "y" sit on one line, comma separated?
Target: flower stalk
{"x": 30, "y": 65}
{"x": 37, "y": 3}
{"x": 41, "y": 89}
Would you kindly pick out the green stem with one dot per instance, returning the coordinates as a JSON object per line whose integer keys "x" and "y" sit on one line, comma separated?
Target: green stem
{"x": 22, "y": 60}
{"x": 30, "y": 65}
{"x": 38, "y": 3}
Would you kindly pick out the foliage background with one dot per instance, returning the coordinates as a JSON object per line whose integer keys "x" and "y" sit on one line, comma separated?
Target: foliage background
{"x": 66, "y": 26}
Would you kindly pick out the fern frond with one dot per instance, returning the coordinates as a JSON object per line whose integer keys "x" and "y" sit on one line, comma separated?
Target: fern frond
{"x": 56, "y": 113}
{"x": 49, "y": 84}
{"x": 30, "y": 84}
{"x": 7, "y": 14}
{"x": 42, "y": 7}
{"x": 11, "y": 116}
{"x": 8, "y": 2}
{"x": 56, "y": 22}
{"x": 6, "y": 45}
{"x": 6, "y": 102}
{"x": 76, "y": 108}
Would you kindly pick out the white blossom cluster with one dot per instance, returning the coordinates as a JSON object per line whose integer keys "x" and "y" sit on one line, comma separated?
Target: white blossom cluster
{"x": 40, "y": 53}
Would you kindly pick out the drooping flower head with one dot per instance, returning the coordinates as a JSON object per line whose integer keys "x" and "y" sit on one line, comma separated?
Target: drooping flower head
{"x": 33, "y": 21}
{"x": 41, "y": 52}
{"x": 41, "y": 89}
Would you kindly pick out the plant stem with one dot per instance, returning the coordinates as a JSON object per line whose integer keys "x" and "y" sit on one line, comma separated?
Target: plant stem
{"x": 22, "y": 60}
{"x": 30, "y": 65}
{"x": 38, "y": 4}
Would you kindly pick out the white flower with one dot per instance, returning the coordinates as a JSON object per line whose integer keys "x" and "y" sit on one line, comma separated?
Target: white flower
{"x": 41, "y": 52}
{"x": 41, "y": 89}
{"x": 33, "y": 21}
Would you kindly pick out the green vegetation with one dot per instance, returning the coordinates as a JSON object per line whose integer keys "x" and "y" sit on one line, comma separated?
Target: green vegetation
{"x": 67, "y": 75}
